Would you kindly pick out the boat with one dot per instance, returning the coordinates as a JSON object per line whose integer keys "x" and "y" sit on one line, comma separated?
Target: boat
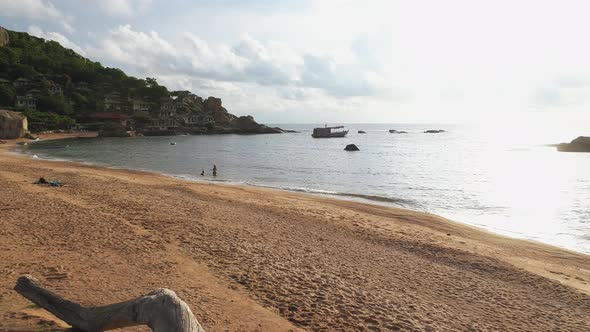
{"x": 327, "y": 132}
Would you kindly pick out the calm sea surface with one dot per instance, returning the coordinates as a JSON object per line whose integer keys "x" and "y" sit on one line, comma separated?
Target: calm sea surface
{"x": 502, "y": 179}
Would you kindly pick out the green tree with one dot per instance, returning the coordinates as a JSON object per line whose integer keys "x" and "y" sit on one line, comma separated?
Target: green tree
{"x": 56, "y": 104}
{"x": 7, "y": 95}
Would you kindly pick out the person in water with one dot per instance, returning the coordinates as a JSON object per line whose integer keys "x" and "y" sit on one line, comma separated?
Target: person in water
{"x": 202, "y": 172}
{"x": 214, "y": 170}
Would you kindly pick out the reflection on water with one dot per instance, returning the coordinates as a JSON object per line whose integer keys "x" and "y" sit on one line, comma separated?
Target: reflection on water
{"x": 503, "y": 179}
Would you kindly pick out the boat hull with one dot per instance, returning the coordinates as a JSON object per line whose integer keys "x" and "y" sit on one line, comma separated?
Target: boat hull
{"x": 330, "y": 135}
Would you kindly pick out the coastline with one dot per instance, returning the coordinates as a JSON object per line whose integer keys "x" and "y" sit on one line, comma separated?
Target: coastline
{"x": 252, "y": 258}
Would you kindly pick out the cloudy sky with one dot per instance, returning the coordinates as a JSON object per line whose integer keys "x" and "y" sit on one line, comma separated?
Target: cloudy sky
{"x": 335, "y": 61}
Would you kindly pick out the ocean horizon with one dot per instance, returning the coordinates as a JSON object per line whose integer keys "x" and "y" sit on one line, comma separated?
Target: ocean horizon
{"x": 509, "y": 182}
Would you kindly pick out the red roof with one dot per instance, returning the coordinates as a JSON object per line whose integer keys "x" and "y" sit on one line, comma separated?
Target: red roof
{"x": 109, "y": 116}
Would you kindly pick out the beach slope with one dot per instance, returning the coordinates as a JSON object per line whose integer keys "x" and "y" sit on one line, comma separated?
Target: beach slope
{"x": 252, "y": 259}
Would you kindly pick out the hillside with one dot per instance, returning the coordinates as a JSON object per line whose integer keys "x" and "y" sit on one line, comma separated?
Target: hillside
{"x": 56, "y": 88}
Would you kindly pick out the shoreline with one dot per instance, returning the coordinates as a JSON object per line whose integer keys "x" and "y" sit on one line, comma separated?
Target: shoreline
{"x": 386, "y": 201}
{"x": 252, "y": 258}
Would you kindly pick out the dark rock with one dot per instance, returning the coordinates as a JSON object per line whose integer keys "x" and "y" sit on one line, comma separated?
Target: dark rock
{"x": 393, "y": 131}
{"x": 351, "y": 147}
{"x": 12, "y": 124}
{"x": 218, "y": 112}
{"x": 362, "y": 132}
{"x": 434, "y": 131}
{"x": 247, "y": 125}
{"x": 580, "y": 144}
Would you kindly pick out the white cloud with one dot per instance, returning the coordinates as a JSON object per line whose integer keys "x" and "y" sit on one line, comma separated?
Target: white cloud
{"x": 271, "y": 64}
{"x": 38, "y": 10}
{"x": 63, "y": 40}
{"x": 422, "y": 60}
{"x": 124, "y": 8}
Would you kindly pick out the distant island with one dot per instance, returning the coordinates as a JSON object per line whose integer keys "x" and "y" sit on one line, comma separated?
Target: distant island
{"x": 56, "y": 88}
{"x": 580, "y": 144}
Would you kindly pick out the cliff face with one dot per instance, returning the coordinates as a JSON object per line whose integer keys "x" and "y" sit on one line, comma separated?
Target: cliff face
{"x": 219, "y": 113}
{"x": 4, "y": 38}
{"x": 232, "y": 123}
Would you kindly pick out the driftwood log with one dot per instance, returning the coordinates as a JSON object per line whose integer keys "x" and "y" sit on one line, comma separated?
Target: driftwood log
{"x": 161, "y": 310}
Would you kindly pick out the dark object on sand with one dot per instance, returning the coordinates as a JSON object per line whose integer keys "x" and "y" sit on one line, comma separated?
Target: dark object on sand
{"x": 393, "y": 131}
{"x": 351, "y": 147}
{"x": 162, "y": 310}
{"x": 434, "y": 131}
{"x": 580, "y": 144}
{"x": 362, "y": 132}
{"x": 41, "y": 181}
{"x": 52, "y": 183}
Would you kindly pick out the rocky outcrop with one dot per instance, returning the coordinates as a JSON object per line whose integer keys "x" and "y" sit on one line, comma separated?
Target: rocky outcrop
{"x": 393, "y": 131}
{"x": 221, "y": 116}
{"x": 351, "y": 147}
{"x": 580, "y": 144}
{"x": 4, "y": 38}
{"x": 434, "y": 131}
{"x": 12, "y": 124}
{"x": 247, "y": 125}
{"x": 362, "y": 132}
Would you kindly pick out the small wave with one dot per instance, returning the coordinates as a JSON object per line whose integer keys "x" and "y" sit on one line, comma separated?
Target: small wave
{"x": 398, "y": 201}
{"x": 374, "y": 198}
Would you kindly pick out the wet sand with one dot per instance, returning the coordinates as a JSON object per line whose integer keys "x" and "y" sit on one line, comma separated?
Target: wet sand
{"x": 254, "y": 259}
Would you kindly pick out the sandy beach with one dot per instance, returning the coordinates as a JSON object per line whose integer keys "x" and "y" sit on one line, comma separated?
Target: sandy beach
{"x": 254, "y": 259}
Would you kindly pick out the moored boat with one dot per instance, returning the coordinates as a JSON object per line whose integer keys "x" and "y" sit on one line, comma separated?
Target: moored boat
{"x": 327, "y": 132}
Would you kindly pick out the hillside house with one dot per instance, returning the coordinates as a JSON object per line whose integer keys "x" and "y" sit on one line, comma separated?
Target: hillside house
{"x": 106, "y": 117}
{"x": 139, "y": 105}
{"x": 112, "y": 102}
{"x": 168, "y": 108}
{"x": 28, "y": 101}
{"x": 22, "y": 82}
{"x": 12, "y": 124}
{"x": 164, "y": 124}
{"x": 82, "y": 86}
{"x": 34, "y": 92}
{"x": 55, "y": 88}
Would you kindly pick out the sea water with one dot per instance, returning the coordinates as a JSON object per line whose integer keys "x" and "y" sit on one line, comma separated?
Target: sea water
{"x": 504, "y": 180}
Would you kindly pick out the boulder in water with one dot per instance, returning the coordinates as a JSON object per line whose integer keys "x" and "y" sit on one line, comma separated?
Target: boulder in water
{"x": 580, "y": 144}
{"x": 362, "y": 132}
{"x": 351, "y": 147}
{"x": 434, "y": 131}
{"x": 393, "y": 131}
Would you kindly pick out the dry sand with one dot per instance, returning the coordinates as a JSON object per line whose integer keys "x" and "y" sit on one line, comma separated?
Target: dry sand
{"x": 251, "y": 259}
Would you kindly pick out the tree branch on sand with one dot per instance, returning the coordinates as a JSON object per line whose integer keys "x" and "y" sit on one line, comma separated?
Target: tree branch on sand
{"x": 161, "y": 310}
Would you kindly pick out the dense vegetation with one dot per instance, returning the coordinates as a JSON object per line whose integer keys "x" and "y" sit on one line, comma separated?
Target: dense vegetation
{"x": 56, "y": 88}
{"x": 83, "y": 83}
